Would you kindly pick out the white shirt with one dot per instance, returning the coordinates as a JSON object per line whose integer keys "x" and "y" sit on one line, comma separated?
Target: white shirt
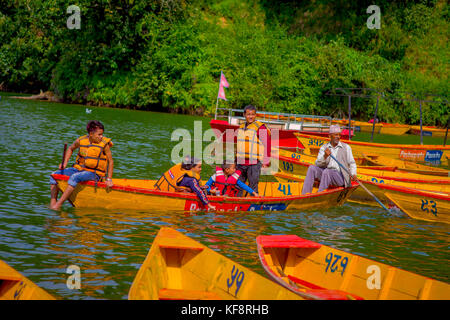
{"x": 330, "y": 163}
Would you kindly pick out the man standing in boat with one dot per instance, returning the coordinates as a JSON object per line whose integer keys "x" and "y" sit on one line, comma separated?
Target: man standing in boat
{"x": 94, "y": 162}
{"x": 253, "y": 149}
{"x": 326, "y": 169}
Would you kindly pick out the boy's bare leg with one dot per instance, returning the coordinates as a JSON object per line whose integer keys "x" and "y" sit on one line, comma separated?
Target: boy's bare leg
{"x": 63, "y": 198}
{"x": 53, "y": 194}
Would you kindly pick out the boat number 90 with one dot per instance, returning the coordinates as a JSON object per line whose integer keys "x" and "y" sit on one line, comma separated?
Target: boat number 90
{"x": 333, "y": 263}
{"x": 236, "y": 278}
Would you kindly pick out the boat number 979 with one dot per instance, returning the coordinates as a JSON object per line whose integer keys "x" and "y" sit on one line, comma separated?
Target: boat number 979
{"x": 236, "y": 279}
{"x": 335, "y": 262}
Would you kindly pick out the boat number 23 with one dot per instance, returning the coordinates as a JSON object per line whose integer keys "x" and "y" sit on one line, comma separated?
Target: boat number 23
{"x": 429, "y": 206}
{"x": 236, "y": 278}
{"x": 335, "y": 262}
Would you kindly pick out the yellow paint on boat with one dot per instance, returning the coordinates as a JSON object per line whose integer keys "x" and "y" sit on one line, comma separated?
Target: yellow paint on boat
{"x": 299, "y": 263}
{"x": 14, "y": 286}
{"x": 178, "y": 267}
{"x": 429, "y": 131}
{"x": 415, "y": 153}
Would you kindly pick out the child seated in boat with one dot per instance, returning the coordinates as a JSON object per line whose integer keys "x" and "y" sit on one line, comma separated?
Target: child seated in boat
{"x": 185, "y": 176}
{"x": 225, "y": 180}
{"x": 94, "y": 162}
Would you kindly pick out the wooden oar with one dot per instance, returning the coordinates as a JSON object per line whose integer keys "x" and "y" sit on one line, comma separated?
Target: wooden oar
{"x": 63, "y": 158}
{"x": 360, "y": 183}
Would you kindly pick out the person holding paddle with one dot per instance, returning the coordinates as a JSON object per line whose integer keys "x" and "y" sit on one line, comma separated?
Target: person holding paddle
{"x": 327, "y": 167}
{"x": 94, "y": 162}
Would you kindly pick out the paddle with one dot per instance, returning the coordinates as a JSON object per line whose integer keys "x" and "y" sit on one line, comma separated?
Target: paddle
{"x": 360, "y": 183}
{"x": 63, "y": 158}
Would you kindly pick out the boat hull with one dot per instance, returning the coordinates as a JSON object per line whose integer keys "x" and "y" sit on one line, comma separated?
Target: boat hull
{"x": 179, "y": 268}
{"x": 417, "y": 153}
{"x": 135, "y": 194}
{"x": 14, "y": 286}
{"x": 299, "y": 263}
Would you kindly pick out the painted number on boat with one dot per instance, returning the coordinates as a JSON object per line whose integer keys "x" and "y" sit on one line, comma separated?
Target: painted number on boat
{"x": 282, "y": 188}
{"x": 334, "y": 262}
{"x": 376, "y": 180}
{"x": 429, "y": 206}
{"x": 235, "y": 280}
{"x": 296, "y": 156}
{"x": 315, "y": 142}
{"x": 288, "y": 166}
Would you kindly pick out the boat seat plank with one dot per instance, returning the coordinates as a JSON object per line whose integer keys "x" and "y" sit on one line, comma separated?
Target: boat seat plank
{"x": 176, "y": 294}
{"x": 287, "y": 241}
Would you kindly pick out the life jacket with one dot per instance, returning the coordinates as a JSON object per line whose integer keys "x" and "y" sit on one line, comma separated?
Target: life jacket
{"x": 91, "y": 156}
{"x": 249, "y": 146}
{"x": 170, "y": 179}
{"x": 227, "y": 186}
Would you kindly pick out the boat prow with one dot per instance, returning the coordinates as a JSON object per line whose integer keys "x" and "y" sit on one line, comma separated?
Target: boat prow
{"x": 15, "y": 286}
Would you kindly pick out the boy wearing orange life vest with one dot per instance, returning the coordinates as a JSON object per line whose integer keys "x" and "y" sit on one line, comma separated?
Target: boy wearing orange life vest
{"x": 185, "y": 175}
{"x": 94, "y": 162}
{"x": 225, "y": 180}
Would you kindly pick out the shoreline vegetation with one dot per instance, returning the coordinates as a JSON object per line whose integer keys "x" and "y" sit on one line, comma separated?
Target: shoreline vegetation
{"x": 167, "y": 56}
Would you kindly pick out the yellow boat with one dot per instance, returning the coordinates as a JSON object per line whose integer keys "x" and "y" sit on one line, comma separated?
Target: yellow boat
{"x": 412, "y": 152}
{"x": 14, "y": 286}
{"x": 179, "y": 268}
{"x": 406, "y": 166}
{"x": 429, "y": 131}
{"x": 385, "y": 175}
{"x": 419, "y": 204}
{"x": 298, "y": 263}
{"x": 141, "y": 194}
{"x": 394, "y": 129}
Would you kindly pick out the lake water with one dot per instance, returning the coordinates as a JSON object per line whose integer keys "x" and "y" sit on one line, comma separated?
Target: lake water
{"x": 109, "y": 246}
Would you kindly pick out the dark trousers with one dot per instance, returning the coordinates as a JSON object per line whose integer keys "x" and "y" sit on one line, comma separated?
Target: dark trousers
{"x": 250, "y": 173}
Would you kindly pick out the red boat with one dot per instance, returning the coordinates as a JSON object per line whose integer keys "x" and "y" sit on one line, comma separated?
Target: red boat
{"x": 286, "y": 137}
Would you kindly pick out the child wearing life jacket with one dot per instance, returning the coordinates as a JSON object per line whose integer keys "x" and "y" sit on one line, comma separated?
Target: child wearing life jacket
{"x": 94, "y": 162}
{"x": 191, "y": 179}
{"x": 225, "y": 180}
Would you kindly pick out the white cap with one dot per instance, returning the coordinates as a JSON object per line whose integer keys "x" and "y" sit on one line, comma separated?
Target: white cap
{"x": 334, "y": 128}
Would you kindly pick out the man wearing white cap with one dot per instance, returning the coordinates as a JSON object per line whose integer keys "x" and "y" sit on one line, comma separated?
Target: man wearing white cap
{"x": 326, "y": 169}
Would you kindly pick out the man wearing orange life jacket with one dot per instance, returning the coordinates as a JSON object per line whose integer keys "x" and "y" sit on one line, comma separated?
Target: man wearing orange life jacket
{"x": 94, "y": 162}
{"x": 225, "y": 180}
{"x": 253, "y": 148}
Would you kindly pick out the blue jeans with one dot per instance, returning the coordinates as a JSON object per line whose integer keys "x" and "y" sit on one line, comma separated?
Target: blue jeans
{"x": 76, "y": 176}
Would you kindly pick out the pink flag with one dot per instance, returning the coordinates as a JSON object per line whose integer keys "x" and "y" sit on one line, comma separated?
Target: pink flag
{"x": 223, "y": 83}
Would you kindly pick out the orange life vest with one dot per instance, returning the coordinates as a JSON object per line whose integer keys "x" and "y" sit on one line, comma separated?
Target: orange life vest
{"x": 226, "y": 186}
{"x": 248, "y": 145}
{"x": 91, "y": 156}
{"x": 170, "y": 179}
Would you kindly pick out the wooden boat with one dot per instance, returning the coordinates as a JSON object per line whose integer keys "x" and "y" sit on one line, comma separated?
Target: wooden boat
{"x": 403, "y": 165}
{"x": 386, "y": 175}
{"x": 416, "y": 153}
{"x": 429, "y": 131}
{"x": 420, "y": 204}
{"x": 141, "y": 194}
{"x": 179, "y": 268}
{"x": 14, "y": 286}
{"x": 394, "y": 129}
{"x": 417, "y": 204}
{"x": 297, "y": 263}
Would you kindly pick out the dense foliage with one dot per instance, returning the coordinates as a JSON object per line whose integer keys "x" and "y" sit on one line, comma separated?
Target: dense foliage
{"x": 277, "y": 55}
